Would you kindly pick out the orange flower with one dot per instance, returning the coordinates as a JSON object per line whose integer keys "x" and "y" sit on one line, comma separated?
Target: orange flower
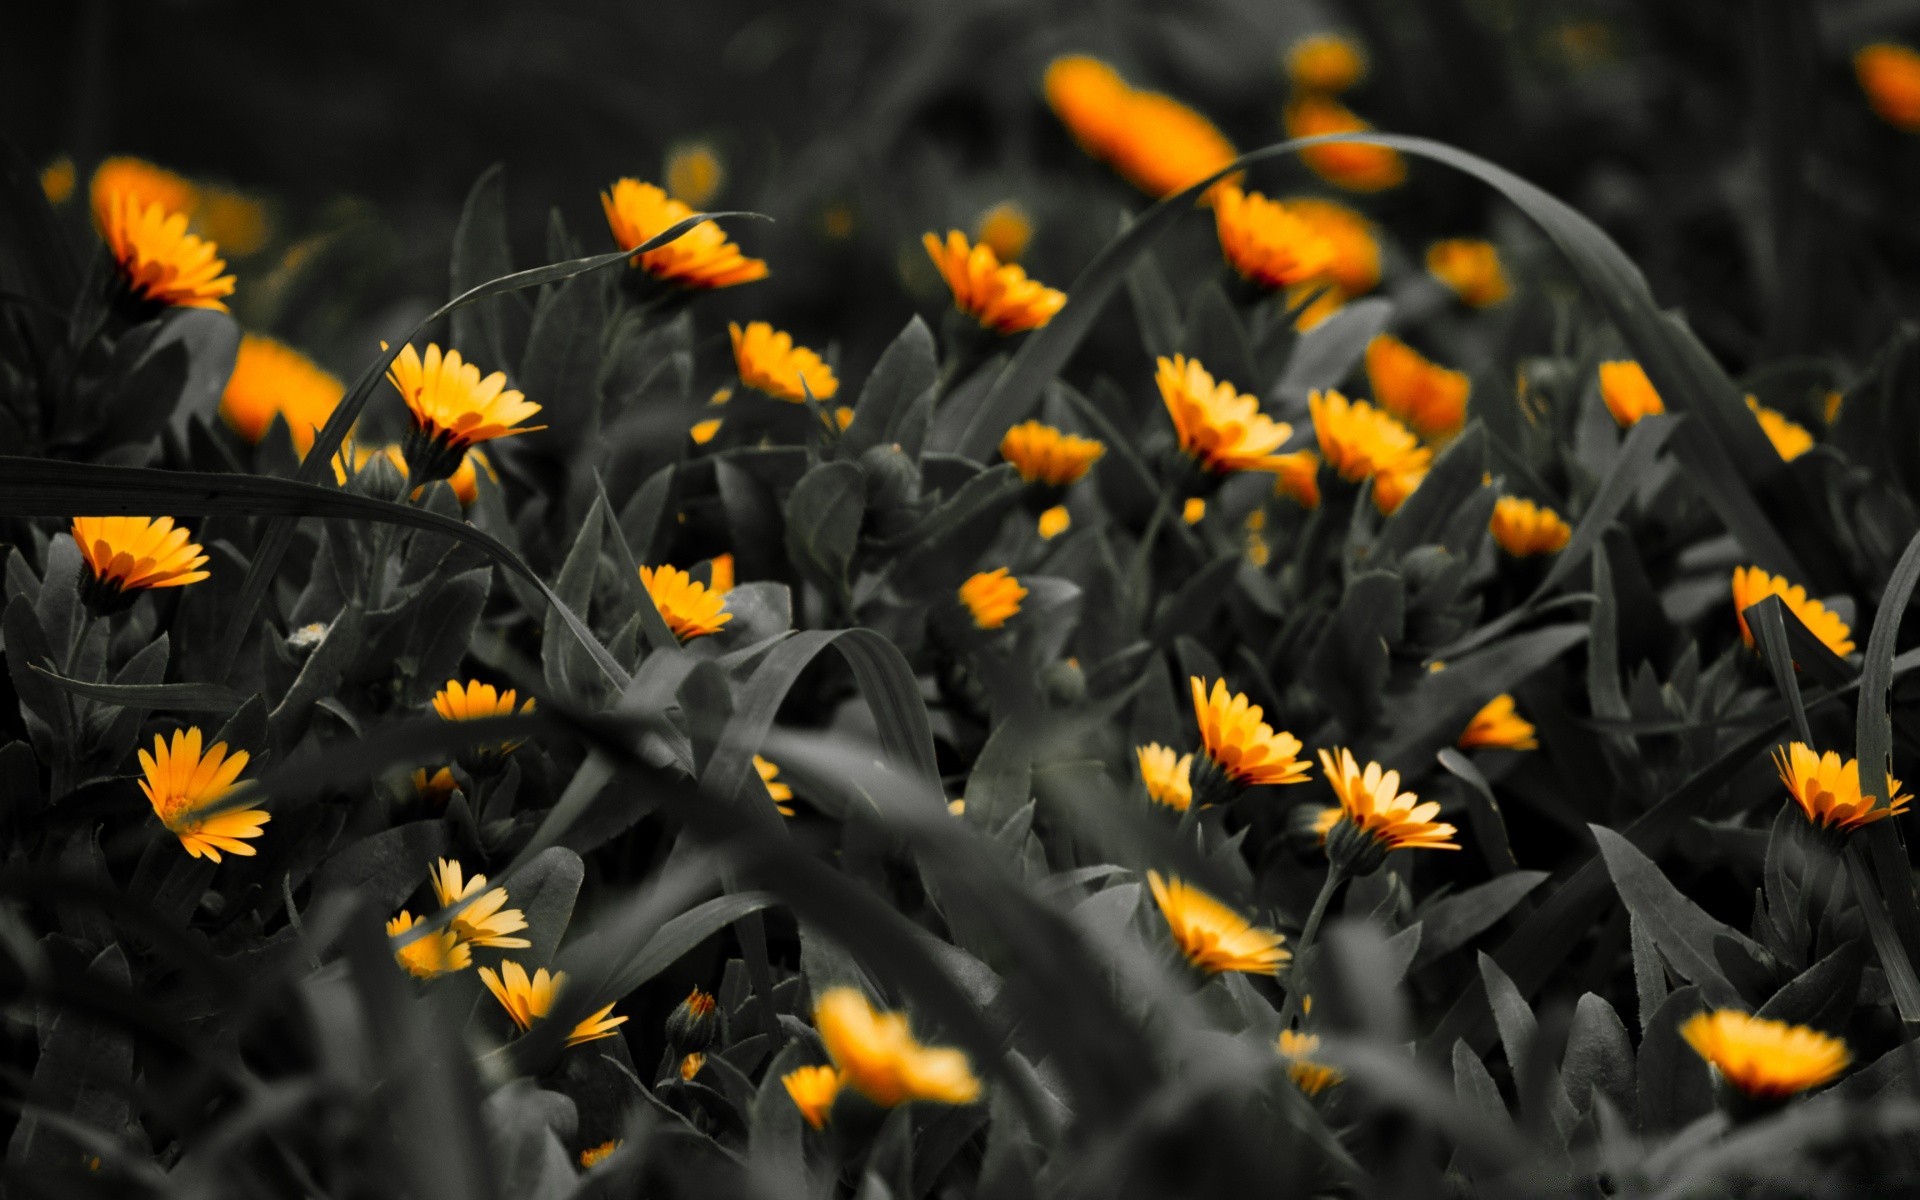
{"x": 1628, "y": 393}
{"x": 1523, "y": 528}
{"x": 1001, "y": 298}
{"x": 273, "y": 379}
{"x": 769, "y": 361}
{"x": 1298, "y": 478}
{"x": 1751, "y": 585}
{"x": 695, "y": 173}
{"x": 1219, "y": 428}
{"x": 1005, "y": 229}
{"x": 1827, "y": 788}
{"x": 690, "y": 608}
{"x": 1155, "y": 142}
{"x": 1351, "y": 165}
{"x": 1790, "y": 439}
{"x": 992, "y": 598}
{"x": 1471, "y": 269}
{"x": 702, "y": 257}
{"x": 528, "y": 998}
{"x": 1266, "y": 242}
{"x": 1427, "y": 396}
{"x": 1360, "y": 441}
{"x": 1326, "y": 62}
{"x": 453, "y": 408}
{"x": 1889, "y": 74}
{"x": 1049, "y": 456}
{"x": 1499, "y": 726}
{"x": 1237, "y": 745}
{"x": 143, "y": 184}
{"x": 182, "y": 784}
{"x": 878, "y": 1056}
{"x": 161, "y": 264}
{"x": 126, "y": 555}
{"x": 813, "y": 1091}
{"x": 1354, "y": 268}
{"x": 1375, "y": 809}
{"x": 1213, "y": 937}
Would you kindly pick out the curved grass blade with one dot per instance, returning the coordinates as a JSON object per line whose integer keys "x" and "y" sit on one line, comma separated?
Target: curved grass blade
{"x": 1891, "y": 881}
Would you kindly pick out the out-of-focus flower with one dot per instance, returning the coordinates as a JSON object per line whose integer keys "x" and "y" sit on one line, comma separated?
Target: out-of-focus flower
{"x": 1000, "y": 297}
{"x": 1354, "y": 268}
{"x": 1309, "y": 1076}
{"x": 1166, "y": 775}
{"x": 1523, "y": 528}
{"x": 128, "y": 555}
{"x": 1354, "y": 166}
{"x": 474, "y": 701}
{"x": 690, "y": 608}
{"x": 235, "y": 220}
{"x": 695, "y": 173}
{"x": 780, "y": 793}
{"x": 878, "y": 1056}
{"x": 769, "y": 361}
{"x": 161, "y": 264}
{"x": 436, "y": 787}
{"x": 1326, "y": 62}
{"x": 1156, "y": 143}
{"x": 1049, "y": 456}
{"x": 702, "y": 257}
{"x": 429, "y": 954}
{"x": 1765, "y": 1059}
{"x": 1430, "y": 398}
{"x": 1751, "y": 585}
{"x": 1471, "y": 269}
{"x": 1193, "y": 511}
{"x": 1889, "y": 74}
{"x": 1499, "y": 726}
{"x": 1827, "y": 788}
{"x": 1790, "y": 439}
{"x": 272, "y": 379}
{"x": 1219, "y": 428}
{"x": 593, "y": 1156}
{"x": 1298, "y": 478}
{"x": 1053, "y": 522}
{"x": 1005, "y": 229}
{"x": 813, "y": 1091}
{"x": 484, "y": 919}
{"x": 142, "y": 184}
{"x": 57, "y": 180}
{"x": 453, "y": 409}
{"x": 1360, "y": 441}
{"x": 991, "y": 598}
{"x": 529, "y": 998}
{"x": 1213, "y": 937}
{"x": 1628, "y": 393}
{"x": 1266, "y": 242}
{"x": 182, "y": 784}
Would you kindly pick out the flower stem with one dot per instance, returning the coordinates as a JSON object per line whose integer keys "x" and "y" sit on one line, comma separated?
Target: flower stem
{"x": 1296, "y": 983}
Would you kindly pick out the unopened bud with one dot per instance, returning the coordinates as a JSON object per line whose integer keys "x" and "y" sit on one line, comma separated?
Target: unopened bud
{"x": 694, "y": 1023}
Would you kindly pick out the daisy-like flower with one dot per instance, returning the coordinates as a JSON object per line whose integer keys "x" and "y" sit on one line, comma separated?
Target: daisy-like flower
{"x": 1266, "y": 242}
{"x": 273, "y": 379}
{"x": 780, "y": 793}
{"x": 473, "y": 701}
{"x": 182, "y": 784}
{"x": 690, "y": 608}
{"x": 991, "y": 598}
{"x": 1049, "y": 457}
{"x": 429, "y": 954}
{"x": 1470, "y": 267}
{"x": 1155, "y": 142}
{"x": 1354, "y": 269}
{"x": 1391, "y": 488}
{"x": 142, "y": 183}
{"x": 453, "y": 409}
{"x": 1213, "y": 937}
{"x": 768, "y": 361}
{"x": 1000, "y": 297}
{"x": 1309, "y": 1076}
{"x": 1220, "y": 429}
{"x": 1005, "y": 229}
{"x": 1523, "y": 528}
{"x": 484, "y": 919}
{"x": 1376, "y": 816}
{"x": 813, "y": 1091}
{"x": 128, "y": 555}
{"x": 1889, "y": 74}
{"x": 1325, "y": 62}
{"x": 1499, "y": 726}
{"x": 1166, "y": 775}
{"x": 1430, "y": 398}
{"x": 435, "y": 787}
{"x": 877, "y": 1055}
{"x": 1628, "y": 393}
{"x": 529, "y": 998}
{"x": 1053, "y": 522}
{"x": 593, "y": 1156}
{"x": 695, "y": 173}
{"x": 1827, "y": 789}
{"x": 1768, "y": 1061}
{"x": 1360, "y": 441}
{"x": 1350, "y": 165}
{"x": 1790, "y": 439}
{"x": 1298, "y": 478}
{"x": 1751, "y": 585}
{"x": 161, "y": 264}
{"x": 702, "y": 257}
{"x": 1237, "y": 748}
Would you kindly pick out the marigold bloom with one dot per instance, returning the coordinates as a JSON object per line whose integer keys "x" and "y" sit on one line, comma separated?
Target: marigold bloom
{"x": 1155, "y": 142}
{"x": 1309, "y": 1076}
{"x": 1471, "y": 269}
{"x": 1219, "y": 428}
{"x": 1392, "y": 488}
{"x": 1167, "y": 775}
{"x": 1212, "y": 936}
{"x": 694, "y": 173}
{"x": 1372, "y": 804}
{"x": 813, "y": 1091}
{"x": 1238, "y": 744}
{"x": 1499, "y": 726}
{"x": 1751, "y": 585}
{"x": 878, "y": 1057}
{"x": 127, "y": 555}
{"x": 1889, "y": 74}
{"x": 1324, "y": 819}
{"x": 142, "y": 183}
{"x": 991, "y": 598}
{"x": 1352, "y": 165}
{"x": 769, "y": 362}
{"x": 182, "y": 784}
{"x": 453, "y": 409}
{"x": 1628, "y": 393}
{"x": 1326, "y": 62}
{"x": 57, "y": 180}
{"x": 484, "y": 919}
{"x": 1790, "y": 439}
{"x": 1266, "y": 242}
{"x": 1000, "y": 297}
{"x": 1053, "y": 522}
{"x": 1298, "y": 478}
{"x": 1005, "y": 229}
{"x": 1767, "y": 1060}
{"x": 1430, "y": 398}
{"x": 1049, "y": 456}
{"x": 1354, "y": 268}
{"x": 720, "y": 573}
{"x": 780, "y": 793}
{"x": 161, "y": 264}
{"x": 690, "y": 608}
{"x": 702, "y": 257}
{"x": 593, "y": 1156}
{"x": 1827, "y": 789}
{"x": 529, "y": 998}
{"x": 437, "y": 787}
{"x": 1523, "y": 528}
{"x": 1193, "y": 510}
{"x": 272, "y": 379}
{"x": 429, "y": 954}
{"x": 473, "y": 701}
{"x": 1360, "y": 441}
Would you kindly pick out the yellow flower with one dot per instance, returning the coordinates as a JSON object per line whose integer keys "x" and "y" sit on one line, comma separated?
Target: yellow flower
{"x": 1212, "y": 936}
{"x": 690, "y": 608}
{"x": 273, "y": 379}
{"x": 1372, "y": 803}
{"x": 1005, "y": 229}
{"x": 1767, "y": 1060}
{"x": 1000, "y": 298}
{"x": 1324, "y": 820}
{"x": 1628, "y": 393}
{"x": 57, "y": 180}
{"x": 1430, "y": 398}
{"x": 527, "y": 999}
{"x": 1257, "y": 550}
{"x": 473, "y": 701}
{"x": 1326, "y": 62}
{"x": 1045, "y": 455}
{"x": 769, "y": 361}
{"x": 694, "y": 173}
{"x": 1194, "y": 510}
{"x": 161, "y": 264}
{"x": 126, "y": 555}
{"x": 1497, "y": 726}
{"x": 429, "y": 954}
{"x": 182, "y": 784}
{"x": 1889, "y": 74}
{"x": 141, "y": 183}
{"x": 1155, "y": 142}
{"x": 813, "y": 1090}
{"x": 1391, "y": 488}
{"x": 991, "y": 598}
{"x": 878, "y": 1056}
{"x": 720, "y": 573}
{"x": 690, "y": 1066}
{"x": 1790, "y": 439}
{"x": 484, "y": 920}
{"x": 1309, "y": 1076}
{"x": 780, "y": 793}
{"x": 1167, "y": 776}
{"x": 1298, "y": 478}
{"x": 1238, "y": 745}
{"x": 1219, "y": 428}
{"x": 436, "y": 788}
{"x": 703, "y": 432}
{"x": 1351, "y": 165}
{"x": 593, "y": 1156}
{"x": 1054, "y": 522}
{"x": 238, "y": 222}
{"x": 453, "y": 408}
{"x": 1266, "y": 242}
{"x": 1828, "y": 789}
{"x": 1354, "y": 268}
{"x": 1523, "y": 528}
{"x": 1471, "y": 268}
{"x": 702, "y": 257}
{"x": 1360, "y": 441}
{"x": 1751, "y": 585}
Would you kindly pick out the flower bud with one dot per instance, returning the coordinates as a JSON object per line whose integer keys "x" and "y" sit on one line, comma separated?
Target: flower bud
{"x": 693, "y": 1024}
